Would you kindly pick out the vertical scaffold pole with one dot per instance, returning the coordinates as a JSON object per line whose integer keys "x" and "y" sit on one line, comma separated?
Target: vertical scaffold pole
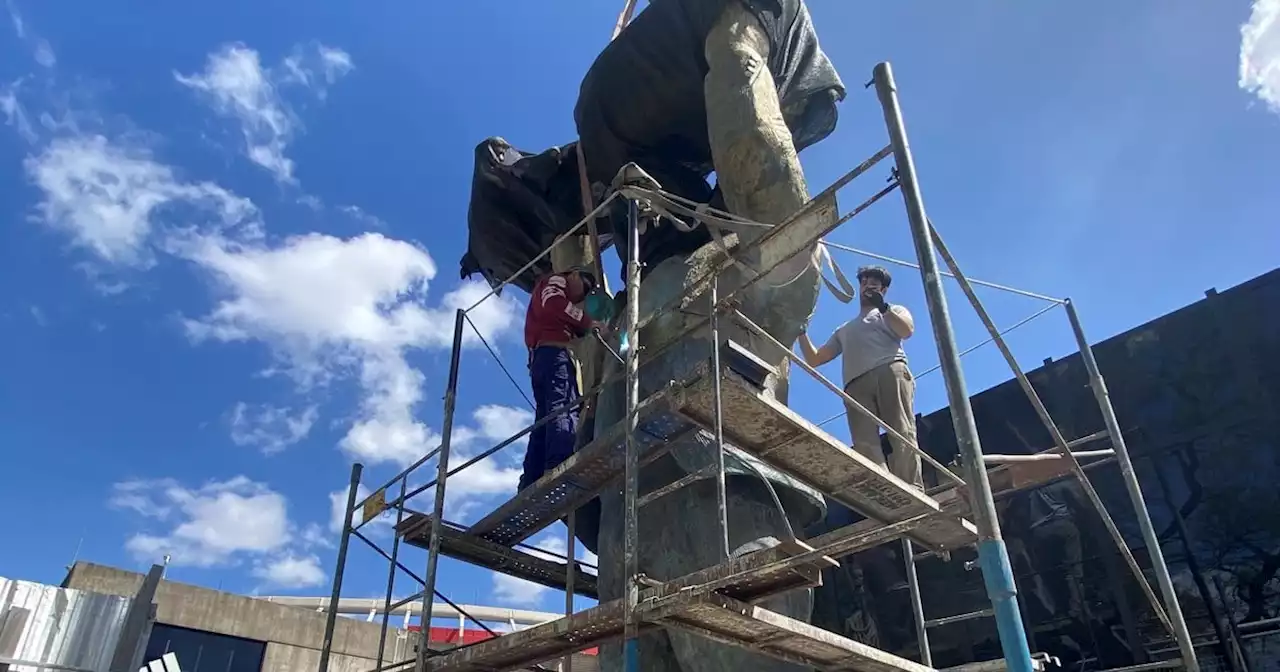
{"x": 331, "y": 614}
{"x": 917, "y": 603}
{"x": 570, "y": 575}
{"x": 997, "y": 573}
{"x": 1158, "y": 566}
{"x": 630, "y": 552}
{"x": 722, "y": 503}
{"x": 391, "y": 571}
{"x": 442, "y": 476}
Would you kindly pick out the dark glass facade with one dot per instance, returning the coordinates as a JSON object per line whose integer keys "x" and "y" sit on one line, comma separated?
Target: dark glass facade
{"x": 199, "y": 651}
{"x": 1196, "y": 393}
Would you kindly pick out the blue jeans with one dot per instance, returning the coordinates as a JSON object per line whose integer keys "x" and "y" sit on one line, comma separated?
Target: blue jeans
{"x": 555, "y": 386}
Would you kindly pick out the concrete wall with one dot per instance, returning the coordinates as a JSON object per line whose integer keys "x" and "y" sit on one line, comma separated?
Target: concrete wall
{"x": 293, "y": 635}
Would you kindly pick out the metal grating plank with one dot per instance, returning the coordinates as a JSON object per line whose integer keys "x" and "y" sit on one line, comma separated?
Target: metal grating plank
{"x": 416, "y": 531}
{"x": 583, "y": 475}
{"x": 760, "y": 425}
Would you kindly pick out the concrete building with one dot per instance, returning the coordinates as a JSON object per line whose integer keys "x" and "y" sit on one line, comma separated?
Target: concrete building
{"x": 223, "y": 632}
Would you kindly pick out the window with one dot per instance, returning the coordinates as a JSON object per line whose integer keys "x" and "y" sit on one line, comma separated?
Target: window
{"x": 200, "y": 651}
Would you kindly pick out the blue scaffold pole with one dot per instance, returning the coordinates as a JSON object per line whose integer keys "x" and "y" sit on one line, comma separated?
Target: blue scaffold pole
{"x": 997, "y": 573}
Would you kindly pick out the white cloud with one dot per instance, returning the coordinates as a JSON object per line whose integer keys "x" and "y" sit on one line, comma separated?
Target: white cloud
{"x": 237, "y": 85}
{"x": 44, "y": 54}
{"x": 1260, "y": 53}
{"x": 14, "y": 114}
{"x": 19, "y": 26}
{"x": 494, "y": 476}
{"x": 329, "y": 307}
{"x": 316, "y": 67}
{"x": 291, "y": 571}
{"x": 107, "y": 197}
{"x": 41, "y": 50}
{"x": 222, "y": 523}
{"x": 513, "y": 592}
{"x": 136, "y": 496}
{"x": 212, "y": 523}
{"x": 270, "y": 428}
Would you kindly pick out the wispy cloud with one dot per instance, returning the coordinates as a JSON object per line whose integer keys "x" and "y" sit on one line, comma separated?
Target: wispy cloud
{"x": 1260, "y": 53}
{"x": 41, "y": 50}
{"x": 270, "y": 428}
{"x": 108, "y": 197}
{"x": 237, "y": 85}
{"x": 14, "y": 114}
{"x": 19, "y": 26}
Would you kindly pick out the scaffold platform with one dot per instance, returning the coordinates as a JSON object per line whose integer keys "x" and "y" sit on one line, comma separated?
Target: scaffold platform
{"x": 755, "y": 423}
{"x": 457, "y": 544}
{"x": 713, "y": 616}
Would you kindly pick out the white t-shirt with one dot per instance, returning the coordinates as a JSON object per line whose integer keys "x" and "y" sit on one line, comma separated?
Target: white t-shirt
{"x": 867, "y": 342}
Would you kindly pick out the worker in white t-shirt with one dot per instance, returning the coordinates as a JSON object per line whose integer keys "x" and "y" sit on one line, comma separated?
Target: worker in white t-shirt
{"x": 875, "y": 372}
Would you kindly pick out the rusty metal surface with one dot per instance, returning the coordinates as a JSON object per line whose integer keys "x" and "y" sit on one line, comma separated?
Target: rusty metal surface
{"x": 59, "y": 628}
{"x": 582, "y": 476}
{"x": 483, "y": 553}
{"x": 778, "y": 435}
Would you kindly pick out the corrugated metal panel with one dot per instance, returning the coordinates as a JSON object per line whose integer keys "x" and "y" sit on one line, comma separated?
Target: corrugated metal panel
{"x": 58, "y": 628}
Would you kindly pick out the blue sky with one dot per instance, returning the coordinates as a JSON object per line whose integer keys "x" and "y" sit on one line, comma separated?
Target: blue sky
{"x": 231, "y": 233}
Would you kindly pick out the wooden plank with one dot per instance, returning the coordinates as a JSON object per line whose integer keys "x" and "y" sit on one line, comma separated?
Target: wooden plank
{"x": 758, "y": 424}
{"x": 770, "y": 633}
{"x": 416, "y": 531}
{"x": 556, "y": 639}
{"x": 752, "y": 577}
{"x": 715, "y": 616}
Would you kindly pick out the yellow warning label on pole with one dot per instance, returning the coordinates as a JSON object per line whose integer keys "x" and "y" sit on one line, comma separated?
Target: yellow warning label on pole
{"x": 376, "y": 504}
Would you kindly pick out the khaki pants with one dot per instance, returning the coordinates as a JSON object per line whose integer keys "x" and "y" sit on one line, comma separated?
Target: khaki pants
{"x": 888, "y": 391}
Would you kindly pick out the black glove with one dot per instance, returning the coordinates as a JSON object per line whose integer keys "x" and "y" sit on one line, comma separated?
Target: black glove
{"x": 876, "y": 299}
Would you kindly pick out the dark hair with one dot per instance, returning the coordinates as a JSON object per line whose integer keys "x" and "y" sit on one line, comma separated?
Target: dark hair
{"x": 877, "y": 272}
{"x": 589, "y": 283}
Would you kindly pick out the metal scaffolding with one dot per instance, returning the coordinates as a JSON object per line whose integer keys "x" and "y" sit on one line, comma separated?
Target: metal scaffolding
{"x": 717, "y": 602}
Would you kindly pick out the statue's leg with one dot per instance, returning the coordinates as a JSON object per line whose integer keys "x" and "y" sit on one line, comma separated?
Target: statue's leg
{"x": 757, "y": 166}
{"x": 754, "y": 523}
{"x": 655, "y": 648}
{"x": 677, "y": 537}
{"x": 759, "y": 172}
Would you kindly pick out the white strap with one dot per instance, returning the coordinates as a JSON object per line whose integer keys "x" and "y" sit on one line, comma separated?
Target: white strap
{"x": 846, "y": 291}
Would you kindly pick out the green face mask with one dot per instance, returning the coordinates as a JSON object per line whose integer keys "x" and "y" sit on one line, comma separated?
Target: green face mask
{"x": 599, "y": 306}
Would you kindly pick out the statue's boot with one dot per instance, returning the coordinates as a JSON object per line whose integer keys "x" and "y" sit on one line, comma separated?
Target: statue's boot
{"x": 759, "y": 171}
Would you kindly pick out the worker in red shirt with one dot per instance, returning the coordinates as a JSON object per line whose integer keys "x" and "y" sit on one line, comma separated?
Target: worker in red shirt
{"x": 554, "y": 320}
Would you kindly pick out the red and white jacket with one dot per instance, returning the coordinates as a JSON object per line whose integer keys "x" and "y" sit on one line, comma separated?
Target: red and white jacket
{"x": 551, "y": 317}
